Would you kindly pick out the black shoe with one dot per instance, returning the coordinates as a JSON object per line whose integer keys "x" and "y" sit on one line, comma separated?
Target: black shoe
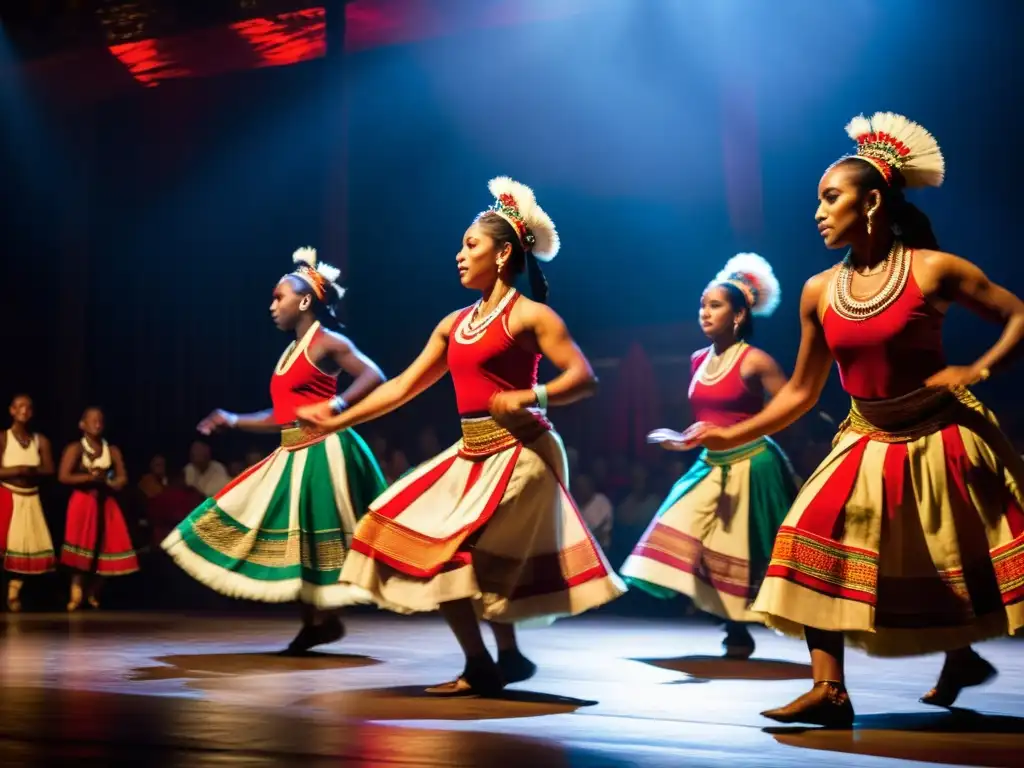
{"x": 954, "y": 679}
{"x": 514, "y": 667}
{"x": 312, "y": 635}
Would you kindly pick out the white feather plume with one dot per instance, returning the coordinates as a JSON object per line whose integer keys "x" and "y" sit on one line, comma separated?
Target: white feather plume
{"x": 755, "y": 271}
{"x": 923, "y": 165}
{"x": 305, "y": 256}
{"x": 546, "y": 241}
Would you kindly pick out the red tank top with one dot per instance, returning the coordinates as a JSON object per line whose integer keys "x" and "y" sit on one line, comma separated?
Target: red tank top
{"x": 484, "y": 359}
{"x": 296, "y": 381}
{"x": 891, "y": 349}
{"x": 727, "y": 400}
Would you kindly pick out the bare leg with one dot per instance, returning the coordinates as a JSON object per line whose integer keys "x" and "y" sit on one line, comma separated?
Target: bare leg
{"x": 480, "y": 675}
{"x": 514, "y": 666}
{"x": 75, "y": 600}
{"x": 827, "y": 703}
{"x": 95, "y": 587}
{"x": 14, "y": 594}
{"x": 963, "y": 668}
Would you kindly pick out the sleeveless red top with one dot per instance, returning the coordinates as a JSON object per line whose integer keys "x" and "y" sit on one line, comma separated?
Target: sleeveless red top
{"x": 297, "y": 381}
{"x": 727, "y": 401}
{"x": 484, "y": 359}
{"x": 892, "y": 351}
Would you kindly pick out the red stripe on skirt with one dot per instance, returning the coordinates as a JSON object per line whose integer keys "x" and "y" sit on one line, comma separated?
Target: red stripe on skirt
{"x": 368, "y": 549}
{"x": 825, "y": 515}
{"x": 246, "y": 474}
{"x": 6, "y": 513}
{"x": 404, "y": 498}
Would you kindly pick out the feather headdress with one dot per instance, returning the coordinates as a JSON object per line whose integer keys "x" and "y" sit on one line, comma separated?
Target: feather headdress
{"x": 755, "y": 279}
{"x": 516, "y": 203}
{"x": 892, "y": 142}
{"x": 319, "y": 276}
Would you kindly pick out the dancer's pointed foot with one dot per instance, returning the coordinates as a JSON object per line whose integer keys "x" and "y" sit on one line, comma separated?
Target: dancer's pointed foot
{"x": 481, "y": 677}
{"x": 827, "y": 704}
{"x": 970, "y": 671}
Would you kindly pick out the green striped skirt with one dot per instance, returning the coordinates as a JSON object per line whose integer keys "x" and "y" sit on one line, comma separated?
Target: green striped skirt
{"x": 712, "y": 537}
{"x": 280, "y": 531}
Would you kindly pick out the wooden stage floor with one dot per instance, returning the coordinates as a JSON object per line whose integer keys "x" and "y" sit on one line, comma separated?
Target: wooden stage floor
{"x": 161, "y": 689}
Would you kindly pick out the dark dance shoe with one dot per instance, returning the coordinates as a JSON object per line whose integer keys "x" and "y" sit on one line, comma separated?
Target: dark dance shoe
{"x": 827, "y": 704}
{"x": 480, "y": 678}
{"x": 738, "y": 643}
{"x": 955, "y": 677}
{"x": 312, "y": 635}
{"x": 514, "y": 667}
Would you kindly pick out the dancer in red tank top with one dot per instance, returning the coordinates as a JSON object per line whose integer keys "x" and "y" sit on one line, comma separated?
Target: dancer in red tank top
{"x": 279, "y": 532}
{"x": 712, "y": 537}
{"x": 909, "y": 538}
{"x": 487, "y": 527}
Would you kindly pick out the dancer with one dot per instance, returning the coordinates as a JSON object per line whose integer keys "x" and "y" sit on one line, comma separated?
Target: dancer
{"x": 279, "y": 531}
{"x": 25, "y": 542}
{"x": 712, "y": 537}
{"x": 909, "y": 537}
{"x": 96, "y": 540}
{"x": 487, "y": 527}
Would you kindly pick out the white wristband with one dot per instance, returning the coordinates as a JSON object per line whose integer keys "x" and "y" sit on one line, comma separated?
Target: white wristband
{"x": 231, "y": 419}
{"x": 542, "y": 396}
{"x": 338, "y": 404}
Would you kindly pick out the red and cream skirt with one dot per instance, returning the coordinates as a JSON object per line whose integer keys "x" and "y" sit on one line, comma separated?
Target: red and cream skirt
{"x": 490, "y": 519}
{"x": 909, "y": 537}
{"x": 25, "y": 543}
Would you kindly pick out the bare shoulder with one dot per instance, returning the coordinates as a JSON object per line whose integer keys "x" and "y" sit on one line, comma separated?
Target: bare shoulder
{"x": 335, "y": 341}
{"x": 815, "y": 291}
{"x": 759, "y": 357}
{"x": 530, "y": 313}
{"x": 115, "y": 451}
{"x": 444, "y": 328}
{"x": 73, "y": 449}
{"x": 940, "y": 262}
{"x": 44, "y": 442}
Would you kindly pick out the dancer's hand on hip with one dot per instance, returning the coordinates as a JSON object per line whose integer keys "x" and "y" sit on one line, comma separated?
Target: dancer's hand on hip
{"x": 508, "y": 403}
{"x": 319, "y": 415}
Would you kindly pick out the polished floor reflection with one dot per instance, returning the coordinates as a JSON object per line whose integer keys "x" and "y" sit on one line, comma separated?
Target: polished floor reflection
{"x": 159, "y": 689}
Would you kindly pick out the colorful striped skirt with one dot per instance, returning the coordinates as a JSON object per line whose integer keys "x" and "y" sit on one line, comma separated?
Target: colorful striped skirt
{"x": 712, "y": 537}
{"x": 280, "y": 531}
{"x": 490, "y": 519}
{"x": 910, "y": 535}
{"x": 25, "y": 543}
{"x": 96, "y": 538}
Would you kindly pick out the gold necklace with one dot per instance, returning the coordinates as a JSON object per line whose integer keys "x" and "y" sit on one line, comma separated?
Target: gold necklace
{"x": 846, "y": 305}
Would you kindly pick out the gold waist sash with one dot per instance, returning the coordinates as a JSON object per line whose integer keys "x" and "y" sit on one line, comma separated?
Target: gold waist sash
{"x": 300, "y": 437}
{"x": 485, "y": 436}
{"x": 908, "y": 417}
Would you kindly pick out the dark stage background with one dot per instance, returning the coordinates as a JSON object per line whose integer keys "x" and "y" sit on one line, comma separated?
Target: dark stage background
{"x": 143, "y": 230}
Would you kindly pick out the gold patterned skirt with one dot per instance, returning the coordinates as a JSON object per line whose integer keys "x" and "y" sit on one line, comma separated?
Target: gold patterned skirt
{"x": 280, "y": 531}
{"x": 490, "y": 519}
{"x": 909, "y": 537}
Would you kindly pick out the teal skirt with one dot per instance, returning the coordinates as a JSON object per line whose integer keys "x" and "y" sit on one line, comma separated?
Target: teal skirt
{"x": 712, "y": 538}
